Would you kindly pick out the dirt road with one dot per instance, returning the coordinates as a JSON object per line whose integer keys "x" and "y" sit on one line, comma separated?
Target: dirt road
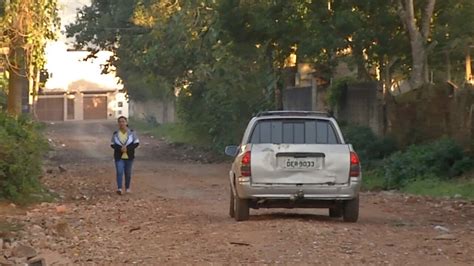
{"x": 178, "y": 214}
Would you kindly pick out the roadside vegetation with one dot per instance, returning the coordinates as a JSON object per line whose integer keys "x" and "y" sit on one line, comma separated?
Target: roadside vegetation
{"x": 438, "y": 168}
{"x": 26, "y": 26}
{"x": 171, "y": 132}
{"x": 22, "y": 147}
{"x": 224, "y": 61}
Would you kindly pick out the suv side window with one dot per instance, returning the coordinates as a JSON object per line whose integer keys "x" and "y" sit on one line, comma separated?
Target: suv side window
{"x": 294, "y": 131}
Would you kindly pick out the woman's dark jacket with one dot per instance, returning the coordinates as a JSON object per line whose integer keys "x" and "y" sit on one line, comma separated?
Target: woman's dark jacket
{"x": 131, "y": 143}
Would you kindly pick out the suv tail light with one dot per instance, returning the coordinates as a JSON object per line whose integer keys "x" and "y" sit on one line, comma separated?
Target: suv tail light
{"x": 355, "y": 165}
{"x": 245, "y": 165}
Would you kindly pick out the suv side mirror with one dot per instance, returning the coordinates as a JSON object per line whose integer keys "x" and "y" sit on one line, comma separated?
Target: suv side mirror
{"x": 231, "y": 150}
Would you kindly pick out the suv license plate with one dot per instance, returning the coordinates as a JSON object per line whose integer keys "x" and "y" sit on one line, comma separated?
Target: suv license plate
{"x": 300, "y": 163}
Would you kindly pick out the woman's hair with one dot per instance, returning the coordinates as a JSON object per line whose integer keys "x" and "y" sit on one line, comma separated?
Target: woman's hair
{"x": 120, "y": 117}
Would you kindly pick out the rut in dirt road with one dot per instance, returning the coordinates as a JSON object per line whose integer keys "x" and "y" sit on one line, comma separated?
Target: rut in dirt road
{"x": 178, "y": 213}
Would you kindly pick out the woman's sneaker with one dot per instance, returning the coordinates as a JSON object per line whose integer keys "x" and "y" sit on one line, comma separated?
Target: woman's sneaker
{"x": 128, "y": 190}
{"x": 119, "y": 191}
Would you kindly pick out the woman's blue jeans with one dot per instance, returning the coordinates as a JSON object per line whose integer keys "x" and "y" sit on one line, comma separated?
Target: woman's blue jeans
{"x": 123, "y": 167}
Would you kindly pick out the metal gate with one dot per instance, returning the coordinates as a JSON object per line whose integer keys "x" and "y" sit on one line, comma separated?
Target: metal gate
{"x": 50, "y": 109}
{"x": 95, "y": 107}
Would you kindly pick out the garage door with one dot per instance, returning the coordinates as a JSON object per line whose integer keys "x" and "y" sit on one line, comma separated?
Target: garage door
{"x": 50, "y": 109}
{"x": 95, "y": 107}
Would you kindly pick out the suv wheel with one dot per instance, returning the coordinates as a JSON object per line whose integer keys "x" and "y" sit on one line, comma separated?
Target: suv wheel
{"x": 231, "y": 207}
{"x": 241, "y": 212}
{"x": 335, "y": 212}
{"x": 351, "y": 210}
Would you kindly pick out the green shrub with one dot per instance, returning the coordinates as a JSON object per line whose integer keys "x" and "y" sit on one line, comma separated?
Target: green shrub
{"x": 21, "y": 150}
{"x": 440, "y": 160}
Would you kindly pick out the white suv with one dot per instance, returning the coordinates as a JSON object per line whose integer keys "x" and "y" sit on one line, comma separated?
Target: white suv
{"x": 294, "y": 159}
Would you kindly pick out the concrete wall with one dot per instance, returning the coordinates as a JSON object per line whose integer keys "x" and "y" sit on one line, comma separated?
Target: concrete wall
{"x": 297, "y": 99}
{"x": 159, "y": 110}
{"x": 78, "y": 106}
{"x": 363, "y": 105}
{"x": 431, "y": 112}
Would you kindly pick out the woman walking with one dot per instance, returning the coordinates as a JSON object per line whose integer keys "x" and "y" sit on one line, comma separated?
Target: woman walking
{"x": 124, "y": 141}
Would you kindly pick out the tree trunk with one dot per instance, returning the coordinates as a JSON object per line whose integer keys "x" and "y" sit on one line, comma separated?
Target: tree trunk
{"x": 17, "y": 61}
{"x": 34, "y": 97}
{"x": 31, "y": 86}
{"x": 468, "y": 65}
{"x": 17, "y": 76}
{"x": 362, "y": 73}
{"x": 386, "y": 66}
{"x": 448, "y": 66}
{"x": 418, "y": 38}
{"x": 386, "y": 78}
{"x": 418, "y": 54}
{"x": 165, "y": 110}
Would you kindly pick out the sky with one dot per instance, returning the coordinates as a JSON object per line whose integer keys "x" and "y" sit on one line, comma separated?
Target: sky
{"x": 67, "y": 67}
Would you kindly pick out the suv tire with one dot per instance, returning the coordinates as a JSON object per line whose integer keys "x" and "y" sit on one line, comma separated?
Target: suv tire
{"x": 241, "y": 212}
{"x": 351, "y": 210}
{"x": 231, "y": 207}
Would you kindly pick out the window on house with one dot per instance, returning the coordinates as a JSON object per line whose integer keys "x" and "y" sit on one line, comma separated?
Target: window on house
{"x": 120, "y": 104}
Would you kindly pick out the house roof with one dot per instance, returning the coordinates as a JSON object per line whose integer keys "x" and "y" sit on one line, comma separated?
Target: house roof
{"x": 98, "y": 91}
{"x": 51, "y": 92}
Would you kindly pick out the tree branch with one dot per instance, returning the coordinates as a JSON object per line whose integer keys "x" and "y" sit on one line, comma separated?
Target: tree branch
{"x": 402, "y": 13}
{"x": 426, "y": 22}
{"x": 410, "y": 10}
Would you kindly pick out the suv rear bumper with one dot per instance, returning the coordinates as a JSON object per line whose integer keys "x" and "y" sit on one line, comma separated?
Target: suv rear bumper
{"x": 246, "y": 190}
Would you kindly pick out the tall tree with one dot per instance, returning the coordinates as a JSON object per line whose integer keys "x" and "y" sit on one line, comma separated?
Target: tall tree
{"x": 28, "y": 25}
{"x": 453, "y": 30}
{"x": 418, "y": 28}
{"x": 276, "y": 27}
{"x": 163, "y": 47}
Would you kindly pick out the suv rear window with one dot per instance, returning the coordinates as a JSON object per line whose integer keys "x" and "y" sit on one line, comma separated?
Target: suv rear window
{"x": 294, "y": 131}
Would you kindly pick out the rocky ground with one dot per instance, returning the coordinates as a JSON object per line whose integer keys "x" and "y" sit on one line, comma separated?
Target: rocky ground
{"x": 178, "y": 214}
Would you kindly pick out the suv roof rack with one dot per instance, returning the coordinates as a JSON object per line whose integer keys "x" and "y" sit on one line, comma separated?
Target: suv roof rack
{"x": 296, "y": 113}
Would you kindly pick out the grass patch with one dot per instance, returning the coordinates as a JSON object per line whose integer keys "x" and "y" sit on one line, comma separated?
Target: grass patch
{"x": 434, "y": 187}
{"x": 172, "y": 132}
{"x": 438, "y": 188}
{"x": 372, "y": 181}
